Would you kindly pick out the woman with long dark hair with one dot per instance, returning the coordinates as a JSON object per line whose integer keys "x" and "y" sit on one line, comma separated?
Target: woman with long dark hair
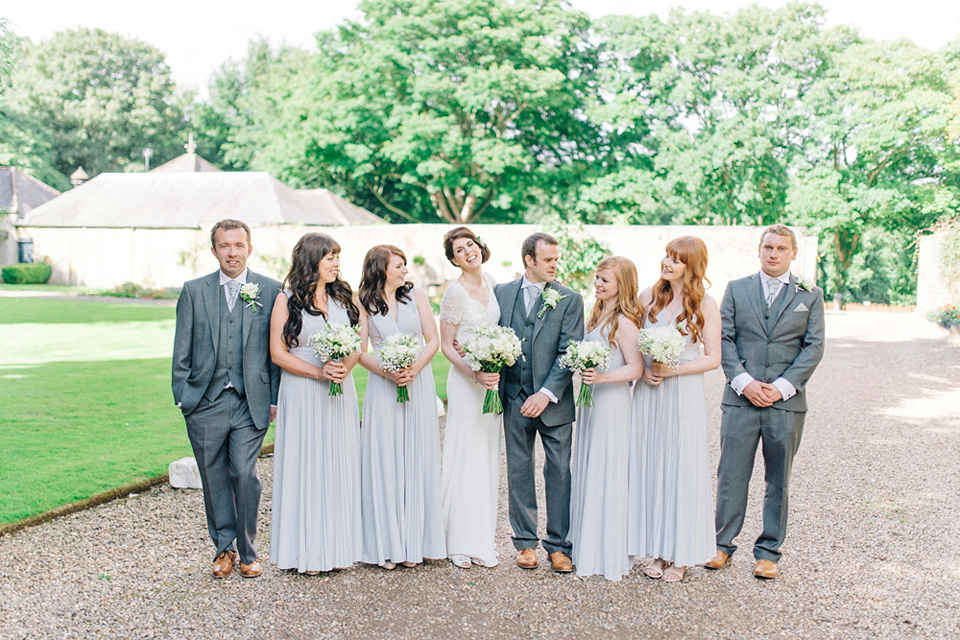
{"x": 671, "y": 503}
{"x": 316, "y": 476}
{"x": 470, "y": 473}
{"x": 598, "y": 499}
{"x": 400, "y": 441}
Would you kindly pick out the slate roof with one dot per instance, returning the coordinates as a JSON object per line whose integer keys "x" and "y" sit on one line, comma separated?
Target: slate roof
{"x": 21, "y": 193}
{"x": 166, "y": 199}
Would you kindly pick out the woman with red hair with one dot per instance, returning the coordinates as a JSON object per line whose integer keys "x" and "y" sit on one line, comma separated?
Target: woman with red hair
{"x": 669, "y": 492}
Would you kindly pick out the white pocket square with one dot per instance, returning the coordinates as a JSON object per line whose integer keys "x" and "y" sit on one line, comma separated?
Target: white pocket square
{"x": 801, "y": 307}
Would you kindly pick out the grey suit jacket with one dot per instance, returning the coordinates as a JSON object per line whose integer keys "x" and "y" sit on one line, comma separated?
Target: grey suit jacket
{"x": 792, "y": 348}
{"x": 198, "y": 336}
{"x": 551, "y": 333}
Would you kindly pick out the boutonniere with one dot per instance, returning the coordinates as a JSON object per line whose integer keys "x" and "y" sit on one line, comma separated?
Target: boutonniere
{"x": 803, "y": 285}
{"x": 550, "y": 299}
{"x": 250, "y": 292}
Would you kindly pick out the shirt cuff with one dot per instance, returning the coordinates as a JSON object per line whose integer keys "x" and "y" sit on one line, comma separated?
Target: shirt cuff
{"x": 785, "y": 387}
{"x": 740, "y": 382}
{"x": 549, "y": 394}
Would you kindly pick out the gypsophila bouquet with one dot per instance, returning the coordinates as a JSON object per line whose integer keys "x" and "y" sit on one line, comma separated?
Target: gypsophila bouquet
{"x": 663, "y": 344}
{"x": 586, "y": 354}
{"x": 489, "y": 348}
{"x": 399, "y": 351}
{"x": 335, "y": 342}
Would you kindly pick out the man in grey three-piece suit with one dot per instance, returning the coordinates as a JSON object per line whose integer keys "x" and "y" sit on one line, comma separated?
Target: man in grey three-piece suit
{"x": 772, "y": 340}
{"x": 537, "y": 395}
{"x": 226, "y": 386}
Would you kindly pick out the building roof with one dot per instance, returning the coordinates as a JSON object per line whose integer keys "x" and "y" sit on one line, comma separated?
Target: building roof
{"x": 186, "y": 163}
{"x": 190, "y": 200}
{"x": 20, "y": 193}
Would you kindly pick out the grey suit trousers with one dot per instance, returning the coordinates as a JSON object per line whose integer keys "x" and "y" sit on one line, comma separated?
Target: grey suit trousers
{"x": 741, "y": 429}
{"x": 520, "y": 435}
{"x": 226, "y": 444}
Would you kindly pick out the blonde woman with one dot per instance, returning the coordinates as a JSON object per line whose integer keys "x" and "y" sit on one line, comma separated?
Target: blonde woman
{"x": 598, "y": 500}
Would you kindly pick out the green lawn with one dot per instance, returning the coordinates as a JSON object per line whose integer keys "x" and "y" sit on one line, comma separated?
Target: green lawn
{"x": 85, "y": 401}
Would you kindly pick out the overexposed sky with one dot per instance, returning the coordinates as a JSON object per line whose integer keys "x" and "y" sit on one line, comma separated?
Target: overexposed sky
{"x": 198, "y": 35}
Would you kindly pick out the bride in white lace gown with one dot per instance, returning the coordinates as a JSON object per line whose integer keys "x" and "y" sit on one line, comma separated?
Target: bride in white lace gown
{"x": 470, "y": 470}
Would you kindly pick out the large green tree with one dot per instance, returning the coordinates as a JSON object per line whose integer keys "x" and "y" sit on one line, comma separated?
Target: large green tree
{"x": 446, "y": 110}
{"x": 24, "y": 143}
{"x": 707, "y": 112}
{"x": 878, "y": 154}
{"x": 102, "y": 98}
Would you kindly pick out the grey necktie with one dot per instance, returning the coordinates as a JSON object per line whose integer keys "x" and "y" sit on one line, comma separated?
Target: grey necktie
{"x": 233, "y": 287}
{"x": 773, "y": 288}
{"x": 531, "y": 297}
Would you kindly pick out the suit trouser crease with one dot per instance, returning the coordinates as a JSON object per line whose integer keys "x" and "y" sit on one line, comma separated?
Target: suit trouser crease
{"x": 226, "y": 444}
{"x": 520, "y": 437}
{"x": 742, "y": 429}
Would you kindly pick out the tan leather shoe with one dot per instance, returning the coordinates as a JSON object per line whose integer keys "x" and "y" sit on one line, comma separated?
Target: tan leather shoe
{"x": 718, "y": 561}
{"x": 527, "y": 558}
{"x": 765, "y": 569}
{"x": 561, "y": 562}
{"x": 223, "y": 565}
{"x": 252, "y": 570}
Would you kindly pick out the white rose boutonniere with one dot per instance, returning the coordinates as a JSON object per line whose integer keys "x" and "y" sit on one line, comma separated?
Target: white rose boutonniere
{"x": 550, "y": 299}
{"x": 250, "y": 292}
{"x": 803, "y": 285}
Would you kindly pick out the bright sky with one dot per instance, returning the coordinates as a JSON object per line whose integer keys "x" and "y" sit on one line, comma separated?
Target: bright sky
{"x": 198, "y": 35}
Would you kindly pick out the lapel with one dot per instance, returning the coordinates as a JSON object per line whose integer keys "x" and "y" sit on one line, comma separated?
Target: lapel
{"x": 247, "y": 313}
{"x": 510, "y": 302}
{"x": 754, "y": 289}
{"x": 211, "y": 305}
{"x": 788, "y": 297}
{"x": 537, "y": 306}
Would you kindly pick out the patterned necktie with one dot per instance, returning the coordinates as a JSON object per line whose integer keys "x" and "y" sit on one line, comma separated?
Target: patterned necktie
{"x": 233, "y": 287}
{"x": 531, "y": 297}
{"x": 773, "y": 288}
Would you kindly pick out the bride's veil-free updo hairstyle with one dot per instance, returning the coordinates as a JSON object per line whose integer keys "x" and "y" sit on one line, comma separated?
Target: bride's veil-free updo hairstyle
{"x": 462, "y": 232}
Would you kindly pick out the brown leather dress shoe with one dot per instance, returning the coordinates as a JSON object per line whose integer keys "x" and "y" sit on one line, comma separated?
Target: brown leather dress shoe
{"x": 223, "y": 565}
{"x": 718, "y": 561}
{"x": 252, "y": 570}
{"x": 765, "y": 569}
{"x": 561, "y": 562}
{"x": 527, "y": 558}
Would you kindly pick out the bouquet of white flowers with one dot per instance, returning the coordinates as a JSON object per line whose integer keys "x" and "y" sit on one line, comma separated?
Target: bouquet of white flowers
{"x": 489, "y": 348}
{"x": 335, "y": 342}
{"x": 586, "y": 354}
{"x": 399, "y": 351}
{"x": 663, "y": 344}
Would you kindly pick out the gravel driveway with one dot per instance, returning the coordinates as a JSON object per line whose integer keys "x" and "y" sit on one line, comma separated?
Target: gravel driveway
{"x": 872, "y": 549}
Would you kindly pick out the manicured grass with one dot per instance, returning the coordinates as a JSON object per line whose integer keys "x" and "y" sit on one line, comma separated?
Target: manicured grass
{"x": 79, "y": 417}
{"x": 46, "y": 288}
{"x": 74, "y": 429}
{"x": 80, "y": 311}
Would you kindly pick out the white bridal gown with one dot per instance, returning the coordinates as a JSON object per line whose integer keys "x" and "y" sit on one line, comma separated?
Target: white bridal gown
{"x": 471, "y": 443}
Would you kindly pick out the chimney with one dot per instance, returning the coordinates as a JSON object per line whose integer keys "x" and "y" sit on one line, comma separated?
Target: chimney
{"x": 78, "y": 177}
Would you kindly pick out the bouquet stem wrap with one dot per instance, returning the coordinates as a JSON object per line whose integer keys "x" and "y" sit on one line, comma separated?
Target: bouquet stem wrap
{"x": 491, "y": 401}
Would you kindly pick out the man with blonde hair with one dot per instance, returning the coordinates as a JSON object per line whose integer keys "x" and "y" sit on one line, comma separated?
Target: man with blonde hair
{"x": 772, "y": 341}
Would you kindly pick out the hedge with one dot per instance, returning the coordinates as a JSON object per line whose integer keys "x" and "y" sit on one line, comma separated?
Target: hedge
{"x": 35, "y": 273}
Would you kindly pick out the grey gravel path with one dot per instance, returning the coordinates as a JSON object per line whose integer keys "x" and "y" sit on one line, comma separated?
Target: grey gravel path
{"x": 872, "y": 549}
